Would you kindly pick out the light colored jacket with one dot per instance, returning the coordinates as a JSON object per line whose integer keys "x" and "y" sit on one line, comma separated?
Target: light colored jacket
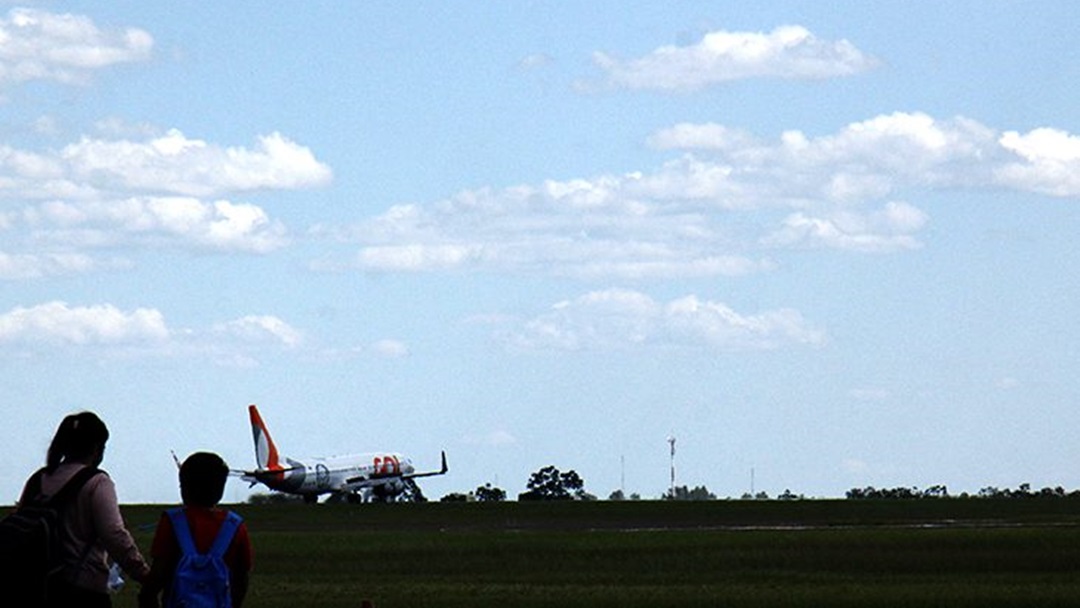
{"x": 94, "y": 530}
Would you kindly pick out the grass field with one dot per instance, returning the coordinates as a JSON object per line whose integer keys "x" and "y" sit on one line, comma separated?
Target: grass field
{"x": 954, "y": 552}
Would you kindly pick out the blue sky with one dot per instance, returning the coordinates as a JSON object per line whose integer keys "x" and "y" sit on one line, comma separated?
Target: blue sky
{"x": 829, "y": 244}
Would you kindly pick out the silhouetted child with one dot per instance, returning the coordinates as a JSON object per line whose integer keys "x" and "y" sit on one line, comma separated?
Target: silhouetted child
{"x": 202, "y": 484}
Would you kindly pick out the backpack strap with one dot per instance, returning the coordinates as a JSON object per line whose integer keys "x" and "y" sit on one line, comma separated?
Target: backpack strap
{"x": 72, "y": 487}
{"x": 32, "y": 490}
{"x": 187, "y": 543}
{"x": 226, "y": 534}
{"x": 32, "y": 493}
{"x": 182, "y": 531}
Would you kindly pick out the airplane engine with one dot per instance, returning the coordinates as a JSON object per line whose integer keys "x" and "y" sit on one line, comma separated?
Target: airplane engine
{"x": 389, "y": 489}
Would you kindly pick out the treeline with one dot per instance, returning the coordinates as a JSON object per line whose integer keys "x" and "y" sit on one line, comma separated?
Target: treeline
{"x": 939, "y": 491}
{"x": 549, "y": 483}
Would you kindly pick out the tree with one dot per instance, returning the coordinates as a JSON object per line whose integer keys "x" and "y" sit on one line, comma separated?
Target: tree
{"x": 683, "y": 493}
{"x": 487, "y": 493}
{"x": 789, "y": 495}
{"x": 550, "y": 484}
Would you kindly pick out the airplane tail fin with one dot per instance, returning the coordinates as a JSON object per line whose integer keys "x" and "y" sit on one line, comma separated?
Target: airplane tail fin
{"x": 266, "y": 454}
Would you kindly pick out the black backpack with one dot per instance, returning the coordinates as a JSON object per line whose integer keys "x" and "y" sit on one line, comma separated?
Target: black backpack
{"x": 31, "y": 536}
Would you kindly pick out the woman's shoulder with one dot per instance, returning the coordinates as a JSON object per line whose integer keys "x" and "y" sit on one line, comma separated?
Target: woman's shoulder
{"x": 97, "y": 480}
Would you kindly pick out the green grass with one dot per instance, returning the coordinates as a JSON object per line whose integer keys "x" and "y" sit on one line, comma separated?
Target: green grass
{"x": 975, "y": 552}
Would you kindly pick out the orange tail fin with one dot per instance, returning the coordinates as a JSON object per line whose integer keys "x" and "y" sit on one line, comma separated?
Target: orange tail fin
{"x": 266, "y": 454}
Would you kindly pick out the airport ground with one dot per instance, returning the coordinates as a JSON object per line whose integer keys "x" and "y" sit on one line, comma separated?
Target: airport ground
{"x": 930, "y": 552}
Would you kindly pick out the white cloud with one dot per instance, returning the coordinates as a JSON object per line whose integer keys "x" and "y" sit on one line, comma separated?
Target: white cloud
{"x": 39, "y": 265}
{"x": 242, "y": 342}
{"x": 1050, "y": 162}
{"x": 885, "y": 231}
{"x": 863, "y": 160}
{"x": 416, "y": 256}
{"x": 38, "y": 45}
{"x": 146, "y": 192}
{"x": 581, "y": 228}
{"x": 174, "y": 164}
{"x": 786, "y": 52}
{"x": 163, "y": 221}
{"x": 59, "y": 323}
{"x": 620, "y": 318}
{"x": 261, "y": 328}
{"x": 725, "y": 206}
{"x": 707, "y": 136}
{"x": 108, "y": 331}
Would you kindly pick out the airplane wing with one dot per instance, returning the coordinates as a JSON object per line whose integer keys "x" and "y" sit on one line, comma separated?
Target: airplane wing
{"x": 441, "y": 471}
{"x": 360, "y": 480}
{"x": 263, "y": 472}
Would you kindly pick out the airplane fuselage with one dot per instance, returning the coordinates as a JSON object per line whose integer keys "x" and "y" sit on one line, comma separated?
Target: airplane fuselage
{"x": 338, "y": 474}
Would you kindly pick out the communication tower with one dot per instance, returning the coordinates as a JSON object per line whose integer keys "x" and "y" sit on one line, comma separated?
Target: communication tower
{"x": 671, "y": 440}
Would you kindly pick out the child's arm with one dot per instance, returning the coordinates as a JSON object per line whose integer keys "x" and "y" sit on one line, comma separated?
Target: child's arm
{"x": 240, "y": 568}
{"x": 154, "y": 583}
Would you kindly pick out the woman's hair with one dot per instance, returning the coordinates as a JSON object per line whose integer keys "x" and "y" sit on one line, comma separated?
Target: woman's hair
{"x": 78, "y": 436}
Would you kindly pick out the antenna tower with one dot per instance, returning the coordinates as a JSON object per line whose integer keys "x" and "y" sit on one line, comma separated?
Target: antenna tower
{"x": 671, "y": 440}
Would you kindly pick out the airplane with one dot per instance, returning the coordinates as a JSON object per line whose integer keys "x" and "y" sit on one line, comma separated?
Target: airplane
{"x": 356, "y": 477}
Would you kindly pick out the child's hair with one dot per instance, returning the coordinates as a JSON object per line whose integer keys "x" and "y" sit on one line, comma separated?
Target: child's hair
{"x": 202, "y": 479}
{"x": 78, "y": 436}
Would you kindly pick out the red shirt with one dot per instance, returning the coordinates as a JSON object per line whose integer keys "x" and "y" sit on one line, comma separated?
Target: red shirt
{"x": 204, "y": 524}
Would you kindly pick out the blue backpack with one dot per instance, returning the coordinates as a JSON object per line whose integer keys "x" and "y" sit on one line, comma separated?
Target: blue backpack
{"x": 201, "y": 580}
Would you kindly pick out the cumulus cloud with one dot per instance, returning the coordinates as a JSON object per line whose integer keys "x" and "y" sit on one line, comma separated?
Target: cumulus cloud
{"x": 59, "y": 323}
{"x": 876, "y": 157}
{"x": 864, "y": 160}
{"x": 170, "y": 164}
{"x": 242, "y": 342}
{"x": 790, "y": 52}
{"x": 65, "y": 48}
{"x": 888, "y": 230}
{"x": 151, "y": 191}
{"x": 621, "y": 318}
{"x": 111, "y": 331}
{"x": 175, "y": 164}
{"x": 1048, "y": 162}
{"x": 577, "y": 228}
{"x": 725, "y": 206}
{"x": 39, "y": 265}
{"x": 177, "y": 221}
{"x": 261, "y": 328}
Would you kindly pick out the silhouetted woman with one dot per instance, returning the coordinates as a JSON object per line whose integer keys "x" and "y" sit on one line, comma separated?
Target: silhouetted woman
{"x": 92, "y": 529}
